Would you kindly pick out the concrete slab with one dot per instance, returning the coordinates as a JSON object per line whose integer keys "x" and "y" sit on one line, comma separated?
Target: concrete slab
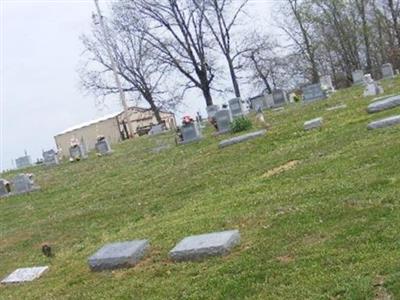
{"x": 24, "y": 275}
{"x": 241, "y": 138}
{"x": 118, "y": 255}
{"x": 198, "y": 247}
{"x": 385, "y": 104}
{"x": 312, "y": 124}
{"x": 341, "y": 106}
{"x": 386, "y": 122}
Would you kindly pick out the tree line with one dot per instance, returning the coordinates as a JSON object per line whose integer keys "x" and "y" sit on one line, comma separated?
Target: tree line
{"x": 163, "y": 48}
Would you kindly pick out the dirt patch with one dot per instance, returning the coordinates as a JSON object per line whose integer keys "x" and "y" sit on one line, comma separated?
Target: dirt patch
{"x": 285, "y": 259}
{"x": 314, "y": 239}
{"x": 380, "y": 291}
{"x": 285, "y": 167}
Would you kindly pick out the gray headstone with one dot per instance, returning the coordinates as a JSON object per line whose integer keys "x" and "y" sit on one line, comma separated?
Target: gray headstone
{"x": 279, "y": 97}
{"x": 102, "y": 147}
{"x": 190, "y": 132}
{"x": 118, "y": 255}
{"x": 326, "y": 83}
{"x": 313, "y": 92}
{"x": 235, "y": 105}
{"x": 258, "y": 102}
{"x": 224, "y": 119}
{"x": 156, "y": 129}
{"x": 387, "y": 71}
{"x": 24, "y": 275}
{"x": 23, "y": 184}
{"x": 387, "y": 103}
{"x": 211, "y": 110}
{"x": 386, "y": 122}
{"x": 50, "y": 158}
{"x": 358, "y": 76}
{"x": 269, "y": 100}
{"x": 23, "y": 162}
{"x": 312, "y": 124}
{"x": 198, "y": 247}
{"x": 3, "y": 188}
{"x": 241, "y": 138}
{"x": 77, "y": 152}
{"x": 340, "y": 106}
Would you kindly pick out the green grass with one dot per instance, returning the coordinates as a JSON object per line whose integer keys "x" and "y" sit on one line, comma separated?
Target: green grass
{"x": 325, "y": 229}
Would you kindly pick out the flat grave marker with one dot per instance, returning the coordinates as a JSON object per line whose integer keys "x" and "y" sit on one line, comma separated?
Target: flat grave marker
{"x": 385, "y": 104}
{"x": 386, "y": 122}
{"x": 197, "y": 247}
{"x": 118, "y": 255}
{"x": 336, "y": 107}
{"x": 312, "y": 124}
{"x": 24, "y": 275}
{"x": 241, "y": 138}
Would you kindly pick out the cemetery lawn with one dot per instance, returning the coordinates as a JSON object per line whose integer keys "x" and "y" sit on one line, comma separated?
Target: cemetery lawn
{"x": 318, "y": 213}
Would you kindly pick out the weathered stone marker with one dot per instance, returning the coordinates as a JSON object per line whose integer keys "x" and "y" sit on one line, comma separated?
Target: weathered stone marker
{"x": 118, "y": 255}
{"x": 224, "y": 119}
{"x": 50, "y": 157}
{"x": 340, "y": 106}
{"x": 326, "y": 83}
{"x": 23, "y": 183}
{"x": 387, "y": 103}
{"x": 102, "y": 146}
{"x": 279, "y": 97}
{"x": 371, "y": 88}
{"x": 358, "y": 76}
{"x": 235, "y": 105}
{"x": 387, "y": 70}
{"x": 23, "y": 162}
{"x": 312, "y": 124}
{"x": 198, "y": 247}
{"x": 241, "y": 138}
{"x": 211, "y": 110}
{"x": 24, "y": 275}
{"x": 313, "y": 92}
{"x": 190, "y": 133}
{"x": 77, "y": 152}
{"x": 386, "y": 122}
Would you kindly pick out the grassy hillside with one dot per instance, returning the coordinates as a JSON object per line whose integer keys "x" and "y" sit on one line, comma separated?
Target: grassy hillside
{"x": 318, "y": 213}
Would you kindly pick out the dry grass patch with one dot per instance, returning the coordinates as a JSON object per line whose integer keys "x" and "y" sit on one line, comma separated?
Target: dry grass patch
{"x": 282, "y": 168}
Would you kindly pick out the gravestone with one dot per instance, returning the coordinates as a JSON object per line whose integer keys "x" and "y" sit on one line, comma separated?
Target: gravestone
{"x": 102, "y": 146}
{"x": 235, "y": 105}
{"x": 118, "y": 255}
{"x": 341, "y": 80}
{"x": 385, "y": 104}
{"x": 50, "y": 157}
{"x": 23, "y": 162}
{"x": 201, "y": 246}
{"x": 386, "y": 122}
{"x": 279, "y": 97}
{"x": 269, "y": 100}
{"x": 156, "y": 129}
{"x": 340, "y": 106}
{"x": 211, "y": 110}
{"x": 387, "y": 71}
{"x": 4, "y": 187}
{"x": 326, "y": 83}
{"x": 224, "y": 119}
{"x": 313, "y": 92}
{"x": 312, "y": 124}
{"x": 241, "y": 138}
{"x": 358, "y": 76}
{"x": 24, "y": 275}
{"x": 371, "y": 87}
{"x": 258, "y": 102}
{"x": 77, "y": 152}
{"x": 190, "y": 133}
{"x": 23, "y": 183}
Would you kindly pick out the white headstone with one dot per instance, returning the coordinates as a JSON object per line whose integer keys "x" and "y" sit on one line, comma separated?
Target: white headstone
{"x": 312, "y": 124}
{"x": 24, "y": 275}
{"x": 326, "y": 83}
{"x": 358, "y": 76}
{"x": 236, "y": 107}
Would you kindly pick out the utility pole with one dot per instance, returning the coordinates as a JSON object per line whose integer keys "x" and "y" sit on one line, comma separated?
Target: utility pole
{"x": 114, "y": 68}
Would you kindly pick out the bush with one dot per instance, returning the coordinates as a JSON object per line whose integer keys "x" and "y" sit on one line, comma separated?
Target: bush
{"x": 241, "y": 124}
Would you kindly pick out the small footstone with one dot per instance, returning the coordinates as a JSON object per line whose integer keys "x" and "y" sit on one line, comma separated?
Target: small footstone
{"x": 314, "y": 123}
{"x": 336, "y": 107}
{"x": 387, "y": 103}
{"x": 24, "y": 275}
{"x": 241, "y": 138}
{"x": 390, "y": 121}
{"x": 197, "y": 247}
{"x": 118, "y": 255}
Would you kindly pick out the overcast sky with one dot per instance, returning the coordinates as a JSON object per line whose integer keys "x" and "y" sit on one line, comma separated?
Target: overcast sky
{"x": 40, "y": 53}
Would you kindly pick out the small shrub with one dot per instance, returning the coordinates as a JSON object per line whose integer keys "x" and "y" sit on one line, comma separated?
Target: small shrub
{"x": 241, "y": 124}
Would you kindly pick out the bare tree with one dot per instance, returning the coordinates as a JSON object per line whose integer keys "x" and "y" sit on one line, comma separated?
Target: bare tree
{"x": 221, "y": 16}
{"x": 142, "y": 73}
{"x": 177, "y": 31}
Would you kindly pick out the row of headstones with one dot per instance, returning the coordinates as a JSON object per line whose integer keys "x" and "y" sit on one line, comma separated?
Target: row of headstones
{"x": 377, "y": 106}
{"x": 21, "y": 184}
{"x": 386, "y": 70}
{"x": 128, "y": 254}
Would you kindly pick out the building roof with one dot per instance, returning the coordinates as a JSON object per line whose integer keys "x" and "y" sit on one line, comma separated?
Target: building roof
{"x": 91, "y": 122}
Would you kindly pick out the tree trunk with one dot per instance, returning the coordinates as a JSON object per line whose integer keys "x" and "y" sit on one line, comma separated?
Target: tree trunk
{"x": 233, "y": 77}
{"x": 149, "y": 98}
{"x": 395, "y": 20}
{"x": 207, "y": 95}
